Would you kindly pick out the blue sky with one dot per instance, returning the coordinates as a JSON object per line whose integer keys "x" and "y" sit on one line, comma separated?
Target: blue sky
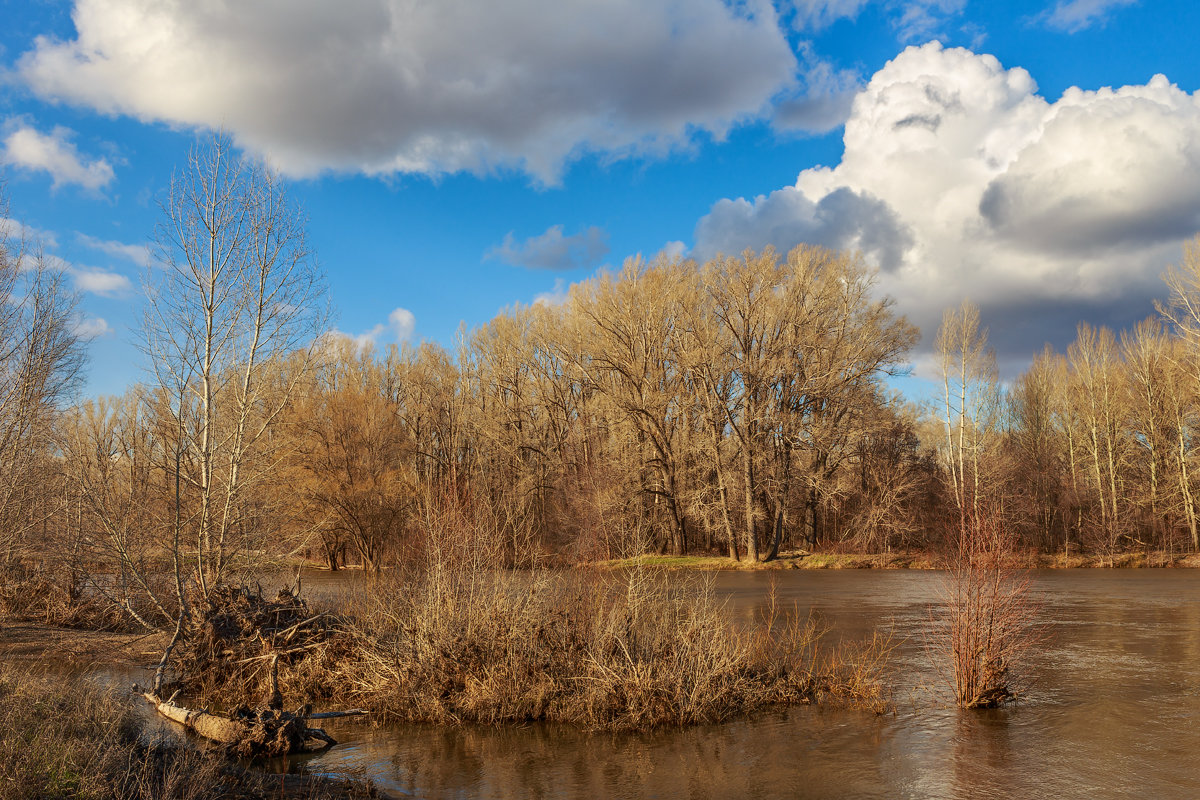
{"x": 458, "y": 156}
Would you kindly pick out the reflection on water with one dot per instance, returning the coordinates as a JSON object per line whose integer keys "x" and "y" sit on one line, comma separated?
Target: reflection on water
{"x": 1115, "y": 713}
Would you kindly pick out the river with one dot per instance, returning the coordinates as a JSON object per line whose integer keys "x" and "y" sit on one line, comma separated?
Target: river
{"x": 1114, "y": 712}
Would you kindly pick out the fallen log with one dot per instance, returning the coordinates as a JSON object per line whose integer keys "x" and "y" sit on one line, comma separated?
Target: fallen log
{"x": 248, "y": 733}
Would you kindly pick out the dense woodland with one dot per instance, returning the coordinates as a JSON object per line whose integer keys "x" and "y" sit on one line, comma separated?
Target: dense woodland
{"x": 739, "y": 406}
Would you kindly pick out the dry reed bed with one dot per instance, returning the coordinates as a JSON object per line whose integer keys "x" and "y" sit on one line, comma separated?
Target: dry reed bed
{"x": 617, "y": 652}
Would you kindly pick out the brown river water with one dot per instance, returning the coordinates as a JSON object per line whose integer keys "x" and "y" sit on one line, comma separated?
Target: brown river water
{"x": 1115, "y": 712}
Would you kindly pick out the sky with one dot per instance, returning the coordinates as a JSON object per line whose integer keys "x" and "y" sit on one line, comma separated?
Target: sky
{"x": 454, "y": 157}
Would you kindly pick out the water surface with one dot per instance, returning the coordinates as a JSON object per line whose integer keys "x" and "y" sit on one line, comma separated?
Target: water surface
{"x": 1114, "y": 713}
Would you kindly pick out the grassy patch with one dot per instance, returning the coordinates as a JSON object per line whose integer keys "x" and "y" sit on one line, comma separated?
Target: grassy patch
{"x": 69, "y": 738}
{"x": 613, "y": 651}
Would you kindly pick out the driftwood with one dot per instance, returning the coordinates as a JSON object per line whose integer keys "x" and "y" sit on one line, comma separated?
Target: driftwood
{"x": 252, "y": 733}
{"x": 232, "y": 630}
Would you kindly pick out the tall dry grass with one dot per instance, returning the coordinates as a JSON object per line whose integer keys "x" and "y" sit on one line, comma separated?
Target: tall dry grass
{"x": 459, "y": 640}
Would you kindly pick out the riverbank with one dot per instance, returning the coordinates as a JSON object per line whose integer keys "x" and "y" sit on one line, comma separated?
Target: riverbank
{"x": 801, "y": 559}
{"x": 67, "y": 737}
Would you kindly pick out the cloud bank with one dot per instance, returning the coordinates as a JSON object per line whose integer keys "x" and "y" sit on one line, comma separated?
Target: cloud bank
{"x": 959, "y": 179}
{"x": 386, "y": 86}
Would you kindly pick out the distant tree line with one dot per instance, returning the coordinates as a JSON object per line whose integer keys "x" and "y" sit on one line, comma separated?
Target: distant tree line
{"x": 739, "y": 406}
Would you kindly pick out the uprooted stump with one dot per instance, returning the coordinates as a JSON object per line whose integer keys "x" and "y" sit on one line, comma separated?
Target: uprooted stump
{"x": 251, "y": 733}
{"x": 231, "y": 642}
{"x": 230, "y": 647}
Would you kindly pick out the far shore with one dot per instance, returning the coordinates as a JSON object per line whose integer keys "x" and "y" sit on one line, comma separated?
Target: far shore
{"x": 920, "y": 560}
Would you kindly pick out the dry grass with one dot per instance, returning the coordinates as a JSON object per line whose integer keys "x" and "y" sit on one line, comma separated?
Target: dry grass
{"x": 58, "y": 597}
{"x": 632, "y": 650}
{"x": 459, "y": 637}
{"x": 72, "y": 739}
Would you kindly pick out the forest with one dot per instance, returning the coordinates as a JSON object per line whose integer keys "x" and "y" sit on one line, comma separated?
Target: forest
{"x": 739, "y": 407}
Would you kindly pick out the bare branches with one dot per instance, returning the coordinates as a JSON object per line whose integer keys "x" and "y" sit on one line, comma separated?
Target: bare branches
{"x": 239, "y": 291}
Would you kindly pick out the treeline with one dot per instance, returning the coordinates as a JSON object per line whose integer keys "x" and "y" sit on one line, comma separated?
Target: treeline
{"x": 1095, "y": 450}
{"x": 740, "y": 406}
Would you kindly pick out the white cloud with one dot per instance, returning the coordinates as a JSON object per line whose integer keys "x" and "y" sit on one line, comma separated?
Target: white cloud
{"x": 137, "y": 253}
{"x": 910, "y": 19}
{"x": 1073, "y": 16}
{"x": 14, "y": 233}
{"x": 400, "y": 325}
{"x": 383, "y": 86}
{"x": 923, "y": 19}
{"x": 675, "y": 249}
{"x": 820, "y": 14}
{"x": 960, "y": 180}
{"x": 33, "y": 258}
{"x": 101, "y": 282}
{"x": 55, "y": 153}
{"x": 552, "y": 250}
{"x": 554, "y": 297}
{"x": 91, "y": 327}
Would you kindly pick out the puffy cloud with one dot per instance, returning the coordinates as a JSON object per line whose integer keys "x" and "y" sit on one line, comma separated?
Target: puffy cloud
{"x": 27, "y": 148}
{"x": 91, "y": 327}
{"x": 555, "y": 296}
{"x": 675, "y": 249}
{"x": 843, "y": 219}
{"x": 101, "y": 282}
{"x": 1073, "y": 16}
{"x": 552, "y": 250}
{"x": 14, "y": 233}
{"x": 401, "y": 324}
{"x": 383, "y": 86}
{"x": 959, "y": 179}
{"x": 137, "y": 253}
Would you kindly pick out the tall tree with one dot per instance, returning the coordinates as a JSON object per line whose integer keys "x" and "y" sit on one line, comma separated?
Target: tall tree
{"x": 238, "y": 289}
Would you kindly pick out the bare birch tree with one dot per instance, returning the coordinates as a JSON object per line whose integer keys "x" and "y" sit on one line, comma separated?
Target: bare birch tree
{"x": 238, "y": 288}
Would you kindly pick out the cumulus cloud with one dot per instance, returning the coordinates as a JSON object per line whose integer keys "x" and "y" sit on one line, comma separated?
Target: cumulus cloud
{"x": 137, "y": 253}
{"x": 383, "y": 86}
{"x": 90, "y": 327}
{"x": 1073, "y": 16}
{"x": 55, "y": 153}
{"x": 552, "y": 250}
{"x": 400, "y": 325}
{"x": 99, "y": 281}
{"x": 959, "y": 180}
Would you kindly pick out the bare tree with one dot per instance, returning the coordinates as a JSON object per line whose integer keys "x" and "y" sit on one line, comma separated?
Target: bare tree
{"x": 238, "y": 289}
{"x": 41, "y": 360}
{"x": 969, "y": 393}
